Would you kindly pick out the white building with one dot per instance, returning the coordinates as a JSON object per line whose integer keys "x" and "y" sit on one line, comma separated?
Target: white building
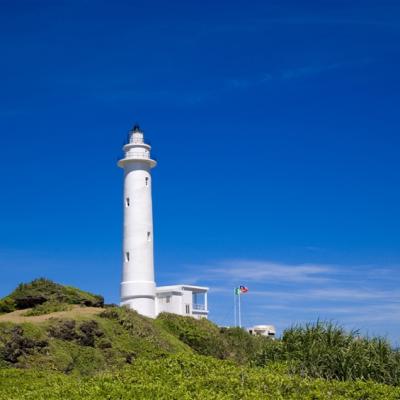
{"x": 138, "y": 288}
{"x": 263, "y": 330}
{"x": 183, "y": 300}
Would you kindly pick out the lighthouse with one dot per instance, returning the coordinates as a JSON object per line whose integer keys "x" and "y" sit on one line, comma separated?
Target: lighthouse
{"x": 138, "y": 289}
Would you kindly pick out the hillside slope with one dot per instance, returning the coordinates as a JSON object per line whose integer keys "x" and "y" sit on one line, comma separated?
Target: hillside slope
{"x": 69, "y": 346}
{"x": 46, "y": 296}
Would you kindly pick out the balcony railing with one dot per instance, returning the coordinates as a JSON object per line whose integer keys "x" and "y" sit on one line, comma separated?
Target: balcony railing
{"x": 199, "y": 307}
{"x": 137, "y": 155}
{"x": 136, "y": 141}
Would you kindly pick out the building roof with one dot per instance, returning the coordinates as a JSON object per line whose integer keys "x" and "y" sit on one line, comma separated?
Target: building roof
{"x": 180, "y": 288}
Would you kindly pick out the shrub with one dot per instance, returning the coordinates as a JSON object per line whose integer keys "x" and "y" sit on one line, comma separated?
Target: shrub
{"x": 201, "y": 335}
{"x": 41, "y": 291}
{"x": 242, "y": 346}
{"x": 85, "y": 334}
{"x": 325, "y": 350}
{"x": 208, "y": 339}
{"x": 146, "y": 337}
{"x": 89, "y": 332}
{"x": 19, "y": 345}
{"x": 64, "y": 330}
{"x": 7, "y": 305}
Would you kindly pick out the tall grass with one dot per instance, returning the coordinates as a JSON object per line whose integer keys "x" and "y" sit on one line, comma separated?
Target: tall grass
{"x": 326, "y": 350}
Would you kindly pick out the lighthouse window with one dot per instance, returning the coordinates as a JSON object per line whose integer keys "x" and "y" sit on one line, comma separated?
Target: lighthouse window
{"x": 127, "y": 256}
{"x": 127, "y": 202}
{"x": 147, "y": 181}
{"x": 148, "y": 236}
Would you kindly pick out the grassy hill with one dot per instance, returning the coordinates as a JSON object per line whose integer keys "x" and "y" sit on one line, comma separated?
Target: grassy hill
{"x": 69, "y": 346}
{"x": 42, "y": 296}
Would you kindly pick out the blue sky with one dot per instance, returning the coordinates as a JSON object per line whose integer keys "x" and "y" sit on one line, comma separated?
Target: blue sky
{"x": 276, "y": 128}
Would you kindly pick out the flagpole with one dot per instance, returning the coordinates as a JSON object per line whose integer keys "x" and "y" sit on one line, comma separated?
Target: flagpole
{"x": 240, "y": 313}
{"x": 234, "y": 306}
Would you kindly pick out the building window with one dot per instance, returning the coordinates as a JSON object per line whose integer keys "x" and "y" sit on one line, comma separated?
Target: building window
{"x": 147, "y": 181}
{"x": 148, "y": 236}
{"x": 187, "y": 308}
{"x": 127, "y": 256}
{"x": 127, "y": 202}
{"x": 168, "y": 299}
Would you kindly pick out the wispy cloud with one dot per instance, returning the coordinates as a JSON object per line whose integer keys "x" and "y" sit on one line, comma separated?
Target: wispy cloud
{"x": 309, "y": 70}
{"x": 245, "y": 83}
{"x": 328, "y": 295}
{"x": 255, "y": 26}
{"x": 296, "y": 72}
{"x": 285, "y": 293}
{"x": 267, "y": 271}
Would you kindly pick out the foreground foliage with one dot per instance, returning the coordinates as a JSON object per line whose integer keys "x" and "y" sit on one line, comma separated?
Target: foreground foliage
{"x": 185, "y": 377}
{"x": 325, "y": 350}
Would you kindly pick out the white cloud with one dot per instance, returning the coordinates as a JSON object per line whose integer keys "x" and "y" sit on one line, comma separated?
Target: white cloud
{"x": 309, "y": 70}
{"x": 285, "y": 294}
{"x": 264, "y": 272}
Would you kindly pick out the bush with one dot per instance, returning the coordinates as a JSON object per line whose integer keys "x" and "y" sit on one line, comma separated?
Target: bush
{"x": 7, "y": 305}
{"x": 85, "y": 335}
{"x": 242, "y": 346}
{"x": 89, "y": 332}
{"x": 64, "y": 330}
{"x": 201, "y": 335}
{"x": 208, "y": 339}
{"x": 19, "y": 345}
{"x": 42, "y": 291}
{"x": 151, "y": 340}
{"x": 325, "y": 350}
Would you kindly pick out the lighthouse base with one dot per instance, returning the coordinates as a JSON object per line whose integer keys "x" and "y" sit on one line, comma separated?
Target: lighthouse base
{"x": 144, "y": 306}
{"x": 139, "y": 296}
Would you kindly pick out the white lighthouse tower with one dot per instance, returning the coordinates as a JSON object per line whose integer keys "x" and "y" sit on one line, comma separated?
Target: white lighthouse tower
{"x": 138, "y": 289}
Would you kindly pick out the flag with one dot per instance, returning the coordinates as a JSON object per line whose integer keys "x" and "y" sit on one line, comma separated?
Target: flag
{"x": 240, "y": 290}
{"x": 243, "y": 289}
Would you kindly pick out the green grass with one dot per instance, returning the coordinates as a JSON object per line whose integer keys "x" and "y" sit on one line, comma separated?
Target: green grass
{"x": 185, "y": 377}
{"x": 47, "y": 308}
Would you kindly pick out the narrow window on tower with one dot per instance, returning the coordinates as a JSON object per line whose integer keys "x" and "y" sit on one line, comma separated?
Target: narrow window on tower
{"x": 147, "y": 181}
{"x": 127, "y": 202}
{"x": 127, "y": 256}
{"x": 187, "y": 308}
{"x": 148, "y": 236}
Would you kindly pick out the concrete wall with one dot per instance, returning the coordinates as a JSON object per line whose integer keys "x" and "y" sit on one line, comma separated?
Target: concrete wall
{"x": 174, "y": 306}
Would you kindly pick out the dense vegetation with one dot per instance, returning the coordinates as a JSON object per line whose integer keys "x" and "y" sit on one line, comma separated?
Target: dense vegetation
{"x": 115, "y": 353}
{"x": 325, "y": 350}
{"x": 185, "y": 377}
{"x": 46, "y": 296}
{"x": 208, "y": 339}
